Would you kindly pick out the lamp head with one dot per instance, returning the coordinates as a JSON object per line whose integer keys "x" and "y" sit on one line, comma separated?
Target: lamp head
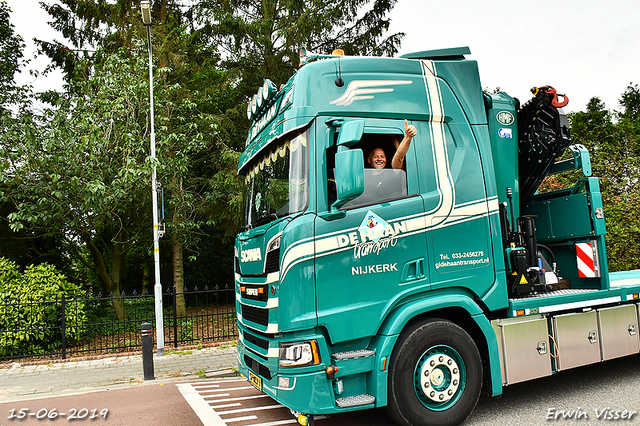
{"x": 145, "y": 8}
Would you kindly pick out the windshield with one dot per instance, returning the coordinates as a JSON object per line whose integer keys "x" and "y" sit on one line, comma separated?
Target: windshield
{"x": 277, "y": 181}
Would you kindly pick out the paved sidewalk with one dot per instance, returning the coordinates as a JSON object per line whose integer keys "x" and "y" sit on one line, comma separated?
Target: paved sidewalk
{"x": 20, "y": 382}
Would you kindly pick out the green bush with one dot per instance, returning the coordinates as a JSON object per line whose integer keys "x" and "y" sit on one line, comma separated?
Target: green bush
{"x": 186, "y": 330}
{"x": 30, "y": 308}
{"x": 105, "y": 323}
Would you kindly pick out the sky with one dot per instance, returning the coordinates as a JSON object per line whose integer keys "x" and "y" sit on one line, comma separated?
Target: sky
{"x": 30, "y": 20}
{"x": 583, "y": 48}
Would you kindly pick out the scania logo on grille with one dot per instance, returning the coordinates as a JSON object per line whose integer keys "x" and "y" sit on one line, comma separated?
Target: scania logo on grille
{"x": 251, "y": 255}
{"x": 505, "y": 118}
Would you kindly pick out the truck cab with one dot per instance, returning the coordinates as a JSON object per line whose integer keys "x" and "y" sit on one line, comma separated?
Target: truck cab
{"x": 359, "y": 288}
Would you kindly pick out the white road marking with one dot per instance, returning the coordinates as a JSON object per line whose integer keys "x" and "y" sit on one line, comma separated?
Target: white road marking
{"x": 207, "y": 416}
{"x": 241, "y": 419}
{"x": 225, "y": 405}
{"x": 242, "y": 398}
{"x": 206, "y": 404}
{"x": 196, "y": 384}
{"x": 227, "y": 389}
{"x": 279, "y": 422}
{"x": 244, "y": 410}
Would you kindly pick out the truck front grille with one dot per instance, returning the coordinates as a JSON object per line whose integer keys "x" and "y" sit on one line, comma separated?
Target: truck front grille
{"x": 272, "y": 264}
{"x": 257, "y": 368}
{"x": 257, "y": 315}
{"x": 261, "y": 343}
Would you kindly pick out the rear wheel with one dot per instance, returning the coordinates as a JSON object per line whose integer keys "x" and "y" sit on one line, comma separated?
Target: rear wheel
{"x": 435, "y": 375}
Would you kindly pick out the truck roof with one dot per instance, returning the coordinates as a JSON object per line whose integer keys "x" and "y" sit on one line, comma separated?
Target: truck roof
{"x": 439, "y": 54}
{"x": 316, "y": 93}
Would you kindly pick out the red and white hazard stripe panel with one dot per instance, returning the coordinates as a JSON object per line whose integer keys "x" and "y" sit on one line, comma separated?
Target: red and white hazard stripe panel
{"x": 585, "y": 258}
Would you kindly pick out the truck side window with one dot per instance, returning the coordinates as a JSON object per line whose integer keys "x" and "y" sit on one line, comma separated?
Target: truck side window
{"x": 380, "y": 184}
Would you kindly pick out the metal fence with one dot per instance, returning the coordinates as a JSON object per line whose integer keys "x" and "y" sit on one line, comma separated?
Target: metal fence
{"x": 83, "y": 325}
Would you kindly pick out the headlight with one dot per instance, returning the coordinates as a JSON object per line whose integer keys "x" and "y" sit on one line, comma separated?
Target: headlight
{"x": 275, "y": 244}
{"x": 299, "y": 354}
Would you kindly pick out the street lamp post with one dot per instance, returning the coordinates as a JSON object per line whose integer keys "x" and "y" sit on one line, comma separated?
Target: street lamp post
{"x": 145, "y": 7}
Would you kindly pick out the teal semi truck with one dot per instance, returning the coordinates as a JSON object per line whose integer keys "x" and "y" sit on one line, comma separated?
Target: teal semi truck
{"x": 417, "y": 288}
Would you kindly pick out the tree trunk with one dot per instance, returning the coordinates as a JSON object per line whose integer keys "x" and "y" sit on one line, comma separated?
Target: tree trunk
{"x": 145, "y": 278}
{"x": 118, "y": 304}
{"x": 110, "y": 282}
{"x": 116, "y": 274}
{"x": 178, "y": 275}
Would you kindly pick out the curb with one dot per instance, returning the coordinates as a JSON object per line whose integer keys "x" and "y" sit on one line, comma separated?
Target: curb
{"x": 11, "y": 364}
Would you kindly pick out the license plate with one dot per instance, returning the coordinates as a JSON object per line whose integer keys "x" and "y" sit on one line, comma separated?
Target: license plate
{"x": 255, "y": 381}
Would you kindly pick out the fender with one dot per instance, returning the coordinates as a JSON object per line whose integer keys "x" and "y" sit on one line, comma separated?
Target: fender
{"x": 401, "y": 315}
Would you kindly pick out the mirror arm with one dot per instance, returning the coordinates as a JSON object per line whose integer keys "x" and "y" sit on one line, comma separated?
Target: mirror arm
{"x": 334, "y": 121}
{"x": 333, "y": 214}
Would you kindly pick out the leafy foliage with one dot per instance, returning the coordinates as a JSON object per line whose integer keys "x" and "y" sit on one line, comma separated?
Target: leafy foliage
{"x": 105, "y": 323}
{"x": 29, "y": 309}
{"x": 79, "y": 171}
{"x": 258, "y": 39}
{"x": 195, "y": 166}
{"x": 613, "y": 141}
{"x": 11, "y": 47}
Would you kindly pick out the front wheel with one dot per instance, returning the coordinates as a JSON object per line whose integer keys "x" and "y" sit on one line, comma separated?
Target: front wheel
{"x": 435, "y": 375}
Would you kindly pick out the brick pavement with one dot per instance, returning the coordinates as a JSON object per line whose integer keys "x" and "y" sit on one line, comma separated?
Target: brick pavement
{"x": 21, "y": 382}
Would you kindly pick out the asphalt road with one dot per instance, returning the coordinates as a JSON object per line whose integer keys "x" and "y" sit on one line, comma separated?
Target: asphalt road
{"x": 592, "y": 389}
{"x": 587, "y": 391}
{"x": 158, "y": 404}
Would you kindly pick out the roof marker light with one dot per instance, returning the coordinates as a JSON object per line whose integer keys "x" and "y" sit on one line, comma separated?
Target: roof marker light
{"x": 254, "y": 105}
{"x": 249, "y": 112}
{"x": 268, "y": 89}
{"x": 259, "y": 98}
{"x": 303, "y": 57}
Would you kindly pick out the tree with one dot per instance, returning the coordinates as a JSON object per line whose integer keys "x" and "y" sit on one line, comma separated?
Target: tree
{"x": 22, "y": 247}
{"x": 259, "y": 39}
{"x": 624, "y": 225}
{"x": 11, "y": 54}
{"x": 185, "y": 77}
{"x": 79, "y": 172}
{"x": 614, "y": 144}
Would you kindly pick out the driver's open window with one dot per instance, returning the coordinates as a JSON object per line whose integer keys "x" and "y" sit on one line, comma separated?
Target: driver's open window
{"x": 380, "y": 184}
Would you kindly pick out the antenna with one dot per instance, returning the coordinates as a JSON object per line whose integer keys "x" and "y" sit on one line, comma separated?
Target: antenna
{"x": 339, "y": 81}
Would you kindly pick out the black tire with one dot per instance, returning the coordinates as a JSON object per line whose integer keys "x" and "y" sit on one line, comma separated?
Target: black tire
{"x": 440, "y": 357}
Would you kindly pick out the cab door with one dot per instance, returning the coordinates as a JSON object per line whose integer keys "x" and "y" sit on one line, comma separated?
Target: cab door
{"x": 457, "y": 206}
{"x": 373, "y": 251}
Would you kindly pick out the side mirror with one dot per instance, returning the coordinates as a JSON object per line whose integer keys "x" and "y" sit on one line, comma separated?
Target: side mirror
{"x": 349, "y": 176}
{"x": 350, "y": 133}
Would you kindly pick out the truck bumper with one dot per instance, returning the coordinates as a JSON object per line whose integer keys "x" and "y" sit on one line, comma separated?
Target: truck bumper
{"x": 309, "y": 393}
{"x": 357, "y": 383}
